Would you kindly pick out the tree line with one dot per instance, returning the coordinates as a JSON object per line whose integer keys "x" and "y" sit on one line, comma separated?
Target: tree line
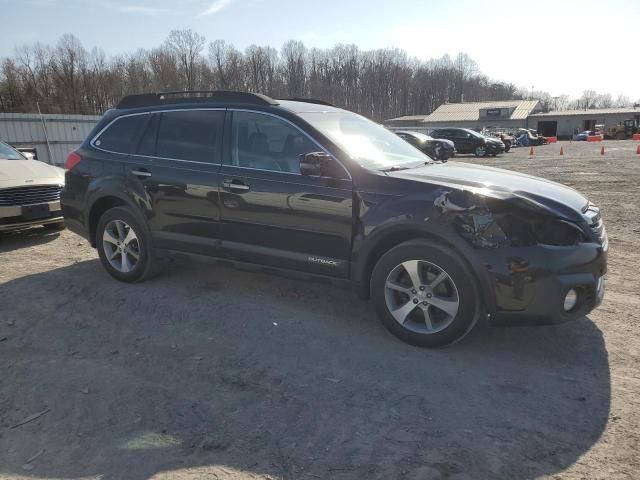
{"x": 381, "y": 84}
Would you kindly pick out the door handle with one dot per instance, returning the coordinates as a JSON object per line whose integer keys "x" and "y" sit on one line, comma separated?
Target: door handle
{"x": 235, "y": 185}
{"x": 141, "y": 173}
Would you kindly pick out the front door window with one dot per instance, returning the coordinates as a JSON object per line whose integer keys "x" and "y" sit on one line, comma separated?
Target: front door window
{"x": 265, "y": 142}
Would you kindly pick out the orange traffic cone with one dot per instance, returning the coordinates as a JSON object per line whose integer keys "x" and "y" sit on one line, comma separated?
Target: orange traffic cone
{"x": 602, "y": 150}
{"x": 638, "y": 150}
{"x": 562, "y": 150}
{"x": 531, "y": 152}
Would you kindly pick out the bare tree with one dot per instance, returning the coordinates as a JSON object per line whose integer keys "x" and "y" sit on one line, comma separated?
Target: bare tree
{"x": 69, "y": 58}
{"x": 622, "y": 101}
{"x": 226, "y": 64}
{"x": 187, "y": 45}
{"x": 294, "y": 68}
{"x": 379, "y": 83}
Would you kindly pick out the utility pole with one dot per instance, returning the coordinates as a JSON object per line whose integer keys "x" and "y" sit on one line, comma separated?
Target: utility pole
{"x": 46, "y": 136}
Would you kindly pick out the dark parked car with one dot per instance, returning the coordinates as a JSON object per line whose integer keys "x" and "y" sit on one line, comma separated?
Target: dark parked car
{"x": 303, "y": 186}
{"x": 437, "y": 149}
{"x": 468, "y": 141}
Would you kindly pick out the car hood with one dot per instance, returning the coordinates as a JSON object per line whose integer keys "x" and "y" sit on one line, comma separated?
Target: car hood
{"x": 446, "y": 142}
{"x": 524, "y": 189}
{"x": 14, "y": 173}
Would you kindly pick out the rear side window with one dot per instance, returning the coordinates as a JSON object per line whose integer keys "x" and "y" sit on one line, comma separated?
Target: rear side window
{"x": 189, "y": 135}
{"x": 122, "y": 135}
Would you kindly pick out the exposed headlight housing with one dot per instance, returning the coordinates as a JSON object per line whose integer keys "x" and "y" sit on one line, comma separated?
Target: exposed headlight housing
{"x": 557, "y": 232}
{"x": 524, "y": 228}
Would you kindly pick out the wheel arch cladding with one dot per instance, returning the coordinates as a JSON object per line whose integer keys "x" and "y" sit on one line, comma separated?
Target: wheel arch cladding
{"x": 98, "y": 208}
{"x": 398, "y": 234}
{"x": 457, "y": 219}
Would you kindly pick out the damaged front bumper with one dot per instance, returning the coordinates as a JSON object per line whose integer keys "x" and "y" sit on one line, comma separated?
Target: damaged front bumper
{"x": 531, "y": 284}
{"x": 542, "y": 268}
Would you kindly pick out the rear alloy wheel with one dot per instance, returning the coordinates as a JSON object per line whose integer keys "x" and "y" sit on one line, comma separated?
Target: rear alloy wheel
{"x": 424, "y": 294}
{"x": 480, "y": 151}
{"x": 123, "y": 245}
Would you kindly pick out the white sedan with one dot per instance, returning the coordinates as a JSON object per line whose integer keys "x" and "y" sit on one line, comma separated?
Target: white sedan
{"x": 29, "y": 192}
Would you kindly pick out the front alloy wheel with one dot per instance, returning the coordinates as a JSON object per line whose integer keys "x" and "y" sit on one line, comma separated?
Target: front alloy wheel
{"x": 480, "y": 151}
{"x": 421, "y": 296}
{"x": 425, "y": 294}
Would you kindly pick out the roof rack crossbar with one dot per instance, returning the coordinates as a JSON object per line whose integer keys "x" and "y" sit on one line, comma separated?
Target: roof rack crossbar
{"x": 311, "y": 100}
{"x": 193, "y": 96}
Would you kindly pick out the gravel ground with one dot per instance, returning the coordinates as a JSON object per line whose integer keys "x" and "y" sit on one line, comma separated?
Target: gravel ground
{"x": 210, "y": 372}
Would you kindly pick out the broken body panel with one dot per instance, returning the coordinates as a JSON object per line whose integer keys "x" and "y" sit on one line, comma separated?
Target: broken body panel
{"x": 528, "y": 241}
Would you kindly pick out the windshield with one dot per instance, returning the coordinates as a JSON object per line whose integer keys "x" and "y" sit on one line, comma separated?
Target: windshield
{"x": 8, "y": 153}
{"x": 421, "y": 137}
{"x": 366, "y": 142}
{"x": 474, "y": 133}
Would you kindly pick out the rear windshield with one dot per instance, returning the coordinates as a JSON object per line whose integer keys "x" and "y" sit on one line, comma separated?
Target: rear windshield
{"x": 8, "y": 153}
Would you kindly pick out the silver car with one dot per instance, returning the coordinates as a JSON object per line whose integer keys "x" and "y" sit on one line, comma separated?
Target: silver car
{"x": 29, "y": 192}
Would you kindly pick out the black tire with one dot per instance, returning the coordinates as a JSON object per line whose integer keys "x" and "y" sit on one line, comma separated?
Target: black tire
{"x": 54, "y": 226}
{"x": 145, "y": 267}
{"x": 467, "y": 292}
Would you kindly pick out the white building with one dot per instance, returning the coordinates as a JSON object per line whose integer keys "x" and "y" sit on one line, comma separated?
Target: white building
{"x": 507, "y": 114}
{"x": 52, "y": 135}
{"x": 565, "y": 124}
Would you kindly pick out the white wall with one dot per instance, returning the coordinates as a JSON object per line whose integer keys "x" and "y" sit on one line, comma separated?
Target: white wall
{"x": 568, "y": 125}
{"x": 65, "y": 133}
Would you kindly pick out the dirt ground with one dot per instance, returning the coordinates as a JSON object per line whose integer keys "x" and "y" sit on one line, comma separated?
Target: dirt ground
{"x": 210, "y": 372}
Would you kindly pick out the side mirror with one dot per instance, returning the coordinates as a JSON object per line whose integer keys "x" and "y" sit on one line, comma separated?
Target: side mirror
{"x": 28, "y": 155}
{"x": 314, "y": 163}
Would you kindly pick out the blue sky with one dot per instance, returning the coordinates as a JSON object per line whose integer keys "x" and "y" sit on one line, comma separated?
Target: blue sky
{"x": 580, "y": 44}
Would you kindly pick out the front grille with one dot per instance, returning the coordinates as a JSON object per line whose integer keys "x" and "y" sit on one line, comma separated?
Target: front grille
{"x": 597, "y": 225}
{"x": 29, "y": 195}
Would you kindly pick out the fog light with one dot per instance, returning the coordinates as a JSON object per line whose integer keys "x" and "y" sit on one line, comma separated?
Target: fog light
{"x": 570, "y": 300}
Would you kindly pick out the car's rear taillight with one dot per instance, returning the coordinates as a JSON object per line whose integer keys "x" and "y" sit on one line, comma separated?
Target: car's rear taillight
{"x": 72, "y": 160}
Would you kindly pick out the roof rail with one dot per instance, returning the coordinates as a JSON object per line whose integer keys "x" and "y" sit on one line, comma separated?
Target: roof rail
{"x": 310, "y": 100}
{"x": 193, "y": 96}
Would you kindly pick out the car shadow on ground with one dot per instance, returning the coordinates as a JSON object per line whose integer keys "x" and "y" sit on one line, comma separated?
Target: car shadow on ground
{"x": 209, "y": 371}
{"x": 31, "y": 237}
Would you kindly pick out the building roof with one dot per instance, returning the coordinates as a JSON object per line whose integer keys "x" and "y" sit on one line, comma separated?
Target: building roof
{"x": 36, "y": 117}
{"x": 591, "y": 112}
{"x": 470, "y": 111}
